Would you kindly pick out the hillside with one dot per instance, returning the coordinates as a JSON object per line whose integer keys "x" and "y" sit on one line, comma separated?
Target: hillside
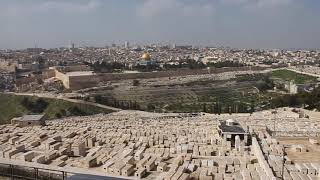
{"x": 15, "y": 106}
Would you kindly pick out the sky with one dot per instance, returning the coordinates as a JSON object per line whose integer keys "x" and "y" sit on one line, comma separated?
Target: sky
{"x": 259, "y": 24}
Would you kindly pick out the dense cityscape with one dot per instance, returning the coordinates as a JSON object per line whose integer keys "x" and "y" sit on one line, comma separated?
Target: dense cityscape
{"x": 159, "y": 89}
{"x": 214, "y": 133}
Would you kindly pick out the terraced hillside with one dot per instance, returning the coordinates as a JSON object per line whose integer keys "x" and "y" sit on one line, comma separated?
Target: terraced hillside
{"x": 221, "y": 93}
{"x": 207, "y": 96}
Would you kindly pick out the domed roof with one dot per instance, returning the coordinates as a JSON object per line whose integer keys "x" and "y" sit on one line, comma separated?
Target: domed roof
{"x": 146, "y": 56}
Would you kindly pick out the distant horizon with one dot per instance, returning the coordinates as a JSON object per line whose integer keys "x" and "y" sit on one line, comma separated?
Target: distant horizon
{"x": 158, "y": 44}
{"x": 243, "y": 24}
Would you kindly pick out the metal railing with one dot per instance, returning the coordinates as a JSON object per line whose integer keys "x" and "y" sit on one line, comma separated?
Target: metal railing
{"x": 31, "y": 173}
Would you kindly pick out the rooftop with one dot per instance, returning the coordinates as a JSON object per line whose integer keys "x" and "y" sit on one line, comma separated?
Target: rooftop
{"x": 79, "y": 73}
{"x": 31, "y": 117}
{"x": 236, "y": 128}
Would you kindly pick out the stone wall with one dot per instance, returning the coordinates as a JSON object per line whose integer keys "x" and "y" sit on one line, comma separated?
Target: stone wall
{"x": 185, "y": 72}
{"x": 81, "y": 82}
{"x": 73, "y": 68}
{"x": 48, "y": 74}
{"x": 62, "y": 77}
{"x": 25, "y": 80}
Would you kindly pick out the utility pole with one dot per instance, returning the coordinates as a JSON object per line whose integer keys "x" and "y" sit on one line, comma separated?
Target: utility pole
{"x": 283, "y": 161}
{"x": 274, "y": 121}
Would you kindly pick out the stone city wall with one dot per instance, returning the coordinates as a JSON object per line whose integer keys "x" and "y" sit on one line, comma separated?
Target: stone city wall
{"x": 147, "y": 75}
{"x": 48, "y": 74}
{"x": 25, "y": 80}
{"x": 73, "y": 68}
{"x": 81, "y": 82}
{"x": 62, "y": 77}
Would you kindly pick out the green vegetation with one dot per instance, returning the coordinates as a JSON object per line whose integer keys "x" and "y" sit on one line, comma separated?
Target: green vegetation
{"x": 306, "y": 100}
{"x": 135, "y": 82}
{"x": 233, "y": 99}
{"x": 14, "y": 106}
{"x": 290, "y": 75}
{"x": 107, "y": 66}
{"x": 225, "y": 64}
{"x": 242, "y": 94}
{"x": 110, "y": 101}
{"x": 239, "y": 97}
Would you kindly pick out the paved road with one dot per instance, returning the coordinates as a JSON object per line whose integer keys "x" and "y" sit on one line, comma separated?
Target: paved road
{"x": 66, "y": 99}
{"x": 300, "y": 72}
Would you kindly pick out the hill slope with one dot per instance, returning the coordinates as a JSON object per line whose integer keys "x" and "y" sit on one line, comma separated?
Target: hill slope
{"x": 14, "y": 106}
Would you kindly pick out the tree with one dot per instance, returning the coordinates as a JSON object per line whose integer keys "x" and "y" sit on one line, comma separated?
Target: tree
{"x": 292, "y": 101}
{"x": 58, "y": 115}
{"x": 252, "y": 105}
{"x": 151, "y": 107}
{"x": 135, "y": 82}
{"x": 76, "y": 111}
{"x": 37, "y": 106}
{"x": 204, "y": 107}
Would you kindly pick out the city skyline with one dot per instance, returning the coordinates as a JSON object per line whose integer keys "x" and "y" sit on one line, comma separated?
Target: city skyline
{"x": 255, "y": 24}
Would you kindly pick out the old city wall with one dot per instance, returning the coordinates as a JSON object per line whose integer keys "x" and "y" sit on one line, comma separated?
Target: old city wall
{"x": 148, "y": 75}
{"x": 76, "y": 68}
{"x": 25, "y": 80}
{"x": 48, "y": 74}
{"x": 81, "y": 82}
{"x": 62, "y": 77}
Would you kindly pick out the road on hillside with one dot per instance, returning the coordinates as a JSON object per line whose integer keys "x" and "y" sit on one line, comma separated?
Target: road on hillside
{"x": 51, "y": 96}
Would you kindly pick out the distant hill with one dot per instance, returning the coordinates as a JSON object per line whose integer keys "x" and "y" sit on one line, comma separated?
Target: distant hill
{"x": 14, "y": 106}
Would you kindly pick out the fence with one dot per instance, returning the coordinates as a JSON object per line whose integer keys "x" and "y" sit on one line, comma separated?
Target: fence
{"x": 30, "y": 173}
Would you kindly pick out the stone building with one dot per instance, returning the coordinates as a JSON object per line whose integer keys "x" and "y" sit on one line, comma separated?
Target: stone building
{"x": 29, "y": 120}
{"x": 229, "y": 129}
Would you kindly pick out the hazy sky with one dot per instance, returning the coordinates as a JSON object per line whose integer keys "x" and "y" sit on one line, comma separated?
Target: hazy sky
{"x": 235, "y": 23}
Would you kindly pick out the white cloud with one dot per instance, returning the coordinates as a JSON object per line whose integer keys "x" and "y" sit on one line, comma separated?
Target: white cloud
{"x": 154, "y": 8}
{"x": 151, "y": 8}
{"x": 197, "y": 8}
{"x": 258, "y": 3}
{"x": 60, "y": 6}
{"x": 70, "y": 6}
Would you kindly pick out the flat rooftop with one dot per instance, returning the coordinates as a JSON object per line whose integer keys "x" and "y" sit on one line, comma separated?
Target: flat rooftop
{"x": 236, "y": 128}
{"x": 79, "y": 73}
{"x": 31, "y": 117}
{"x": 131, "y": 72}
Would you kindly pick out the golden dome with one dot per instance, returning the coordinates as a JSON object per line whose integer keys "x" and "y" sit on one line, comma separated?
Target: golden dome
{"x": 146, "y": 56}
